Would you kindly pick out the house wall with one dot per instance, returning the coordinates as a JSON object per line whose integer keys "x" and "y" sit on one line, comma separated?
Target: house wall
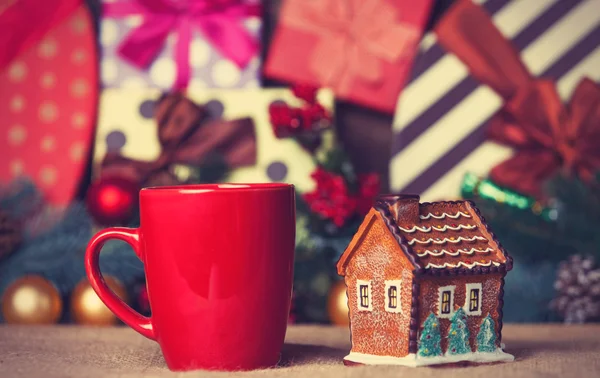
{"x": 378, "y": 258}
{"x": 429, "y": 297}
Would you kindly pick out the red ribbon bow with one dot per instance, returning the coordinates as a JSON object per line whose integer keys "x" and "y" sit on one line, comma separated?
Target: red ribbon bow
{"x": 549, "y": 136}
{"x": 187, "y": 138}
{"x": 220, "y": 22}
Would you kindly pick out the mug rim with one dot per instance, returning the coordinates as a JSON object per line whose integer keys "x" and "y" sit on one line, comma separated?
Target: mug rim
{"x": 218, "y": 187}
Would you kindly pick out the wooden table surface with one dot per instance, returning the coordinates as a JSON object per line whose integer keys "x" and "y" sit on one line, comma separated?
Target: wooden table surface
{"x": 311, "y": 351}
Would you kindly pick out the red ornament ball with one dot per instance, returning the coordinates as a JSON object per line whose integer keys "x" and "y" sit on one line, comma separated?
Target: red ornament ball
{"x": 112, "y": 200}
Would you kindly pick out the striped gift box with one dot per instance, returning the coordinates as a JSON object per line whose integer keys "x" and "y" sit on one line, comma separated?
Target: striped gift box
{"x": 443, "y": 112}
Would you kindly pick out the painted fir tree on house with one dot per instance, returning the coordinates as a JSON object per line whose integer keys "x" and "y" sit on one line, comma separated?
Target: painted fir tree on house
{"x": 425, "y": 285}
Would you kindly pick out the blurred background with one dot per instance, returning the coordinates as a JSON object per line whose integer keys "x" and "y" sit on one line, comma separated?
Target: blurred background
{"x": 496, "y": 101}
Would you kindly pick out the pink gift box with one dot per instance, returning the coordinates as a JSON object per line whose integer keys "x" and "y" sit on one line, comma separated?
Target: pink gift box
{"x": 361, "y": 49}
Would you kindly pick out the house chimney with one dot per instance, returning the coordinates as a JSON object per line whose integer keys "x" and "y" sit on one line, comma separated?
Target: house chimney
{"x": 404, "y": 207}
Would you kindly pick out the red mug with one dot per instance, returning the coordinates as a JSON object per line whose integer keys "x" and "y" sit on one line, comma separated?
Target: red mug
{"x": 219, "y": 262}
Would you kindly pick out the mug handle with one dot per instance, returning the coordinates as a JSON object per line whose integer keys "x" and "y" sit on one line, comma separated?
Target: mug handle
{"x": 132, "y": 318}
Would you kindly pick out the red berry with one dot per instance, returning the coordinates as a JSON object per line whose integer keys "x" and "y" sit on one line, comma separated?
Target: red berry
{"x": 305, "y": 92}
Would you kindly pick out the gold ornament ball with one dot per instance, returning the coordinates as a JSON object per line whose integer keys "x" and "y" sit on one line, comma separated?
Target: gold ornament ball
{"x": 88, "y": 309}
{"x": 337, "y": 304}
{"x": 31, "y": 300}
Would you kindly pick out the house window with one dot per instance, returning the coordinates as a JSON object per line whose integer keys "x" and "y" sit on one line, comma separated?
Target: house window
{"x": 446, "y": 301}
{"x": 473, "y": 294}
{"x": 363, "y": 291}
{"x": 474, "y": 300}
{"x": 392, "y": 296}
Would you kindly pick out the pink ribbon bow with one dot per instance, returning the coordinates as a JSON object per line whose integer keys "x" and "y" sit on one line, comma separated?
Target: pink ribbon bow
{"x": 218, "y": 20}
{"x": 355, "y": 35}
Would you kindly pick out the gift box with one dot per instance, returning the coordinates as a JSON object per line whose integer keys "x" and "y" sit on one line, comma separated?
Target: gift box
{"x": 185, "y": 44}
{"x": 361, "y": 49}
{"x": 511, "y": 93}
{"x": 127, "y": 126}
{"x": 48, "y": 95}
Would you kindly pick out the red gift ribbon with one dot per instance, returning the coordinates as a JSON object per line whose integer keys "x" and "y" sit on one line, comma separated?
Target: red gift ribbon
{"x": 23, "y": 23}
{"x": 549, "y": 136}
{"x": 218, "y": 20}
{"x": 354, "y": 37}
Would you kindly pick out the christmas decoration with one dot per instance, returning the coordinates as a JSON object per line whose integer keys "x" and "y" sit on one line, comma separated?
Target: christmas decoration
{"x": 333, "y": 201}
{"x": 54, "y": 243}
{"x": 430, "y": 340}
{"x": 316, "y": 250}
{"x": 189, "y": 139}
{"x": 337, "y": 304}
{"x": 88, "y": 309}
{"x": 10, "y": 234}
{"x": 305, "y": 123}
{"x": 458, "y": 334}
{"x": 329, "y": 214}
{"x": 541, "y": 237}
{"x": 563, "y": 225}
{"x": 324, "y": 231}
{"x": 220, "y": 27}
{"x": 112, "y": 200}
{"x": 472, "y": 187}
{"x": 578, "y": 290}
{"x": 31, "y": 299}
{"x": 407, "y": 256}
{"x": 361, "y": 49}
{"x": 486, "y": 337}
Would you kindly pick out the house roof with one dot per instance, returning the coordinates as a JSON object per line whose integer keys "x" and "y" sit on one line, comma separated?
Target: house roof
{"x": 440, "y": 238}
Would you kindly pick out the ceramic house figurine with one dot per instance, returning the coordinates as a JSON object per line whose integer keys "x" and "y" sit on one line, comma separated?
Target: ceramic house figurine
{"x": 425, "y": 285}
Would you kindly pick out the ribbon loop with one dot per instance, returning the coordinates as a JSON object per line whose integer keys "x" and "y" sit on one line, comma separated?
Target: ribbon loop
{"x": 468, "y": 32}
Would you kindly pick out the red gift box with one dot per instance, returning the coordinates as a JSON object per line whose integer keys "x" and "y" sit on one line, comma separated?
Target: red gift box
{"x": 48, "y": 94}
{"x": 361, "y": 49}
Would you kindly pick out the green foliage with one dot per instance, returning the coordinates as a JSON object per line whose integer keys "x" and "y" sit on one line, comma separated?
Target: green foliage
{"x": 212, "y": 169}
{"x": 303, "y": 237}
{"x": 458, "y": 334}
{"x": 574, "y": 208}
{"x": 335, "y": 160}
{"x": 486, "y": 338}
{"x": 430, "y": 341}
{"x": 578, "y": 206}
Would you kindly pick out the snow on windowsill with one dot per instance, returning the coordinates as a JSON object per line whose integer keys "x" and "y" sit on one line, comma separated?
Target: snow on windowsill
{"x": 413, "y": 360}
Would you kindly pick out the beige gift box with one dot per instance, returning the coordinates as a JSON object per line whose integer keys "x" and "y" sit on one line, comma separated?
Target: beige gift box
{"x": 125, "y": 121}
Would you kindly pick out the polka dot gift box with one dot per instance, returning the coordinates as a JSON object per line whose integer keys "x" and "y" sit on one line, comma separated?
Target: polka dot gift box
{"x": 48, "y": 95}
{"x": 180, "y": 44}
{"x": 126, "y": 125}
